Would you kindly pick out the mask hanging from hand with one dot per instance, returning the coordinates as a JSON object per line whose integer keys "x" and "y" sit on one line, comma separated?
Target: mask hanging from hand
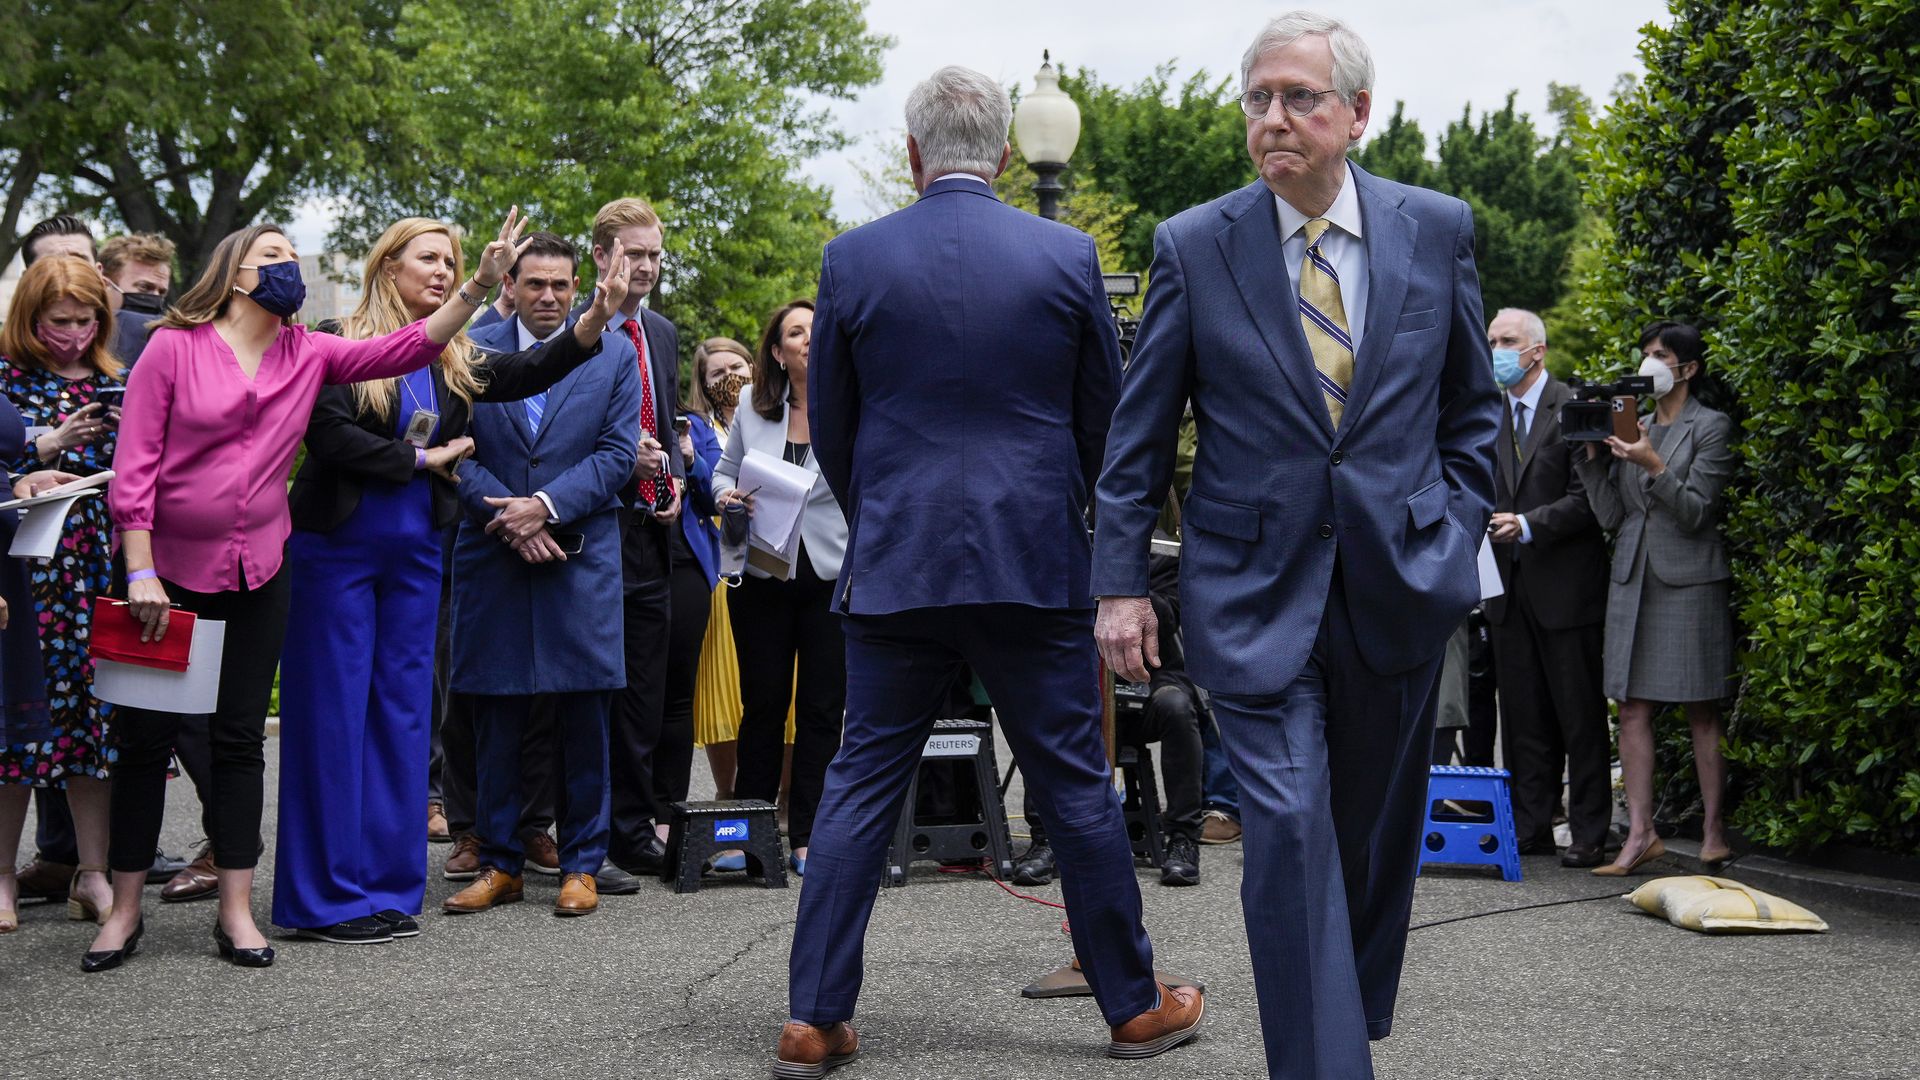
{"x": 67, "y": 343}
{"x": 281, "y": 289}
{"x": 1660, "y": 373}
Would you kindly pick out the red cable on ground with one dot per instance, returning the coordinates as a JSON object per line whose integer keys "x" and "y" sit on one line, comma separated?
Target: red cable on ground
{"x": 1005, "y": 888}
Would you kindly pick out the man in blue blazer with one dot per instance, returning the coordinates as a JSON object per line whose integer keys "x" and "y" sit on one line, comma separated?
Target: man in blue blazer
{"x": 961, "y": 375}
{"x": 536, "y": 599}
{"x": 1325, "y": 325}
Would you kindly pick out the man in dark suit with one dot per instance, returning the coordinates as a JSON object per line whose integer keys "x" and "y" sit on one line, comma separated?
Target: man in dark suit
{"x": 536, "y": 608}
{"x": 1549, "y": 624}
{"x": 960, "y": 380}
{"x": 630, "y": 229}
{"x": 1326, "y": 327}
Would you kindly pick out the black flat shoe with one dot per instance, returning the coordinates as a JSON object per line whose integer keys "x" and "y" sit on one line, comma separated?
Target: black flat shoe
{"x": 109, "y": 959}
{"x": 366, "y": 930}
{"x": 398, "y": 923}
{"x": 253, "y": 958}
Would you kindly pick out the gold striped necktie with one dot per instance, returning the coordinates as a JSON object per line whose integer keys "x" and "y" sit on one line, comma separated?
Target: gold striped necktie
{"x": 1324, "y": 318}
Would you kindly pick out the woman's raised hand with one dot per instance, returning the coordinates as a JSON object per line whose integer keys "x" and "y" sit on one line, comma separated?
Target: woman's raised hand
{"x": 500, "y": 255}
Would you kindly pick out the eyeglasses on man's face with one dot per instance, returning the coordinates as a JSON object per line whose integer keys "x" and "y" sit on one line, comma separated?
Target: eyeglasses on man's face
{"x": 1298, "y": 100}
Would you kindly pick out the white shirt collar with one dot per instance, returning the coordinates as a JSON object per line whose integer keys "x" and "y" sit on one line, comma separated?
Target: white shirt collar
{"x": 1531, "y": 399}
{"x": 527, "y": 340}
{"x": 960, "y": 176}
{"x": 1344, "y": 213}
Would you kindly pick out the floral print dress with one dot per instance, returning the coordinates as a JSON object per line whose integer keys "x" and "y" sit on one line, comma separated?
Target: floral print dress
{"x": 63, "y": 587}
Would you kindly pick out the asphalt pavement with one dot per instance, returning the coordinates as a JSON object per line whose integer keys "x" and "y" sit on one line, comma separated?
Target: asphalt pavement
{"x": 1551, "y": 977}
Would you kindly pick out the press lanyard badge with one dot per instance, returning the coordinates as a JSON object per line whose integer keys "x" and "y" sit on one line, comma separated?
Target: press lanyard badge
{"x": 420, "y": 427}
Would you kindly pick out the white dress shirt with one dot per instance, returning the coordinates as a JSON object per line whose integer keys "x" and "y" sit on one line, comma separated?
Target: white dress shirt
{"x": 963, "y": 176}
{"x": 1341, "y": 246}
{"x": 1531, "y": 402}
{"x": 528, "y": 341}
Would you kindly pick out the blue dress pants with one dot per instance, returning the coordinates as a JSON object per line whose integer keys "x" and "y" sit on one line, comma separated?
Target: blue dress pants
{"x": 1333, "y": 774}
{"x": 582, "y": 803}
{"x": 1040, "y": 669}
{"x": 356, "y": 702}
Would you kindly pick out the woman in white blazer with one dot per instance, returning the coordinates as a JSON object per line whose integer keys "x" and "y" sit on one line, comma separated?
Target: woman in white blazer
{"x": 783, "y": 625}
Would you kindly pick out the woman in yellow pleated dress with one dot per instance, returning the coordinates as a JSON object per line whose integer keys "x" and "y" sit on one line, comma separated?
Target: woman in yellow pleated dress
{"x": 721, "y": 367}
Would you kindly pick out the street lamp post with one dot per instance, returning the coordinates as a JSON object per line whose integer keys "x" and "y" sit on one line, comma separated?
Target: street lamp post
{"x": 1046, "y": 127}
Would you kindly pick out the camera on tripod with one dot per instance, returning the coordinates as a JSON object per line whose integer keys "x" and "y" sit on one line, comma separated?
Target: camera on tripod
{"x": 1600, "y": 409}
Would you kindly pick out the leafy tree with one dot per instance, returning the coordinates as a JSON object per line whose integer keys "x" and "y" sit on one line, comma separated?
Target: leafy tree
{"x": 190, "y": 120}
{"x": 702, "y": 108}
{"x": 1759, "y": 182}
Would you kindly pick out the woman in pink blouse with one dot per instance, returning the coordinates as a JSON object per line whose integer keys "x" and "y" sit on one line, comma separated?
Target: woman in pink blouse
{"x": 214, "y": 414}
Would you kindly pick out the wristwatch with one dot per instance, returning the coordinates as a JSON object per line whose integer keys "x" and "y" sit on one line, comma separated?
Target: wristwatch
{"x": 479, "y": 302}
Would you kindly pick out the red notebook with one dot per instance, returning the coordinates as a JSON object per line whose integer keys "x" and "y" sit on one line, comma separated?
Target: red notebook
{"x": 116, "y": 636}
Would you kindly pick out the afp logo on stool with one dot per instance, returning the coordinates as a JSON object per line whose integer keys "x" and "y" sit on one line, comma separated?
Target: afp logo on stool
{"x": 730, "y": 831}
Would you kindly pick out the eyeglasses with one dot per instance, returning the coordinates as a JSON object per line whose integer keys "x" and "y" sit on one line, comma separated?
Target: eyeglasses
{"x": 1298, "y": 100}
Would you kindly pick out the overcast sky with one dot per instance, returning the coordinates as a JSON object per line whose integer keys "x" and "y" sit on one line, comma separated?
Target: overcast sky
{"x": 1437, "y": 58}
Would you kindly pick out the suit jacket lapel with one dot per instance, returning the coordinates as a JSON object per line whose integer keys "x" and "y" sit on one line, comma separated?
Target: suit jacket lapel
{"x": 517, "y": 410}
{"x": 1251, "y": 247}
{"x": 1389, "y": 237}
{"x": 556, "y": 397}
{"x": 1503, "y": 449}
{"x": 1551, "y": 397}
{"x": 656, "y": 349}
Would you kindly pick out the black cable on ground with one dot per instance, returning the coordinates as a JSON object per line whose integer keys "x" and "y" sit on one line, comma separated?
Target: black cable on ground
{"x": 1510, "y": 910}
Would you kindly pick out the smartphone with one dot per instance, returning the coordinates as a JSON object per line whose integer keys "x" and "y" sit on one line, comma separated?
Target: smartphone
{"x": 681, "y": 424}
{"x": 110, "y": 397}
{"x": 570, "y": 543}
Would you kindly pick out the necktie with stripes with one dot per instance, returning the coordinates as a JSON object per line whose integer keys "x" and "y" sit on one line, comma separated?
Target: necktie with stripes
{"x": 1324, "y": 318}
{"x": 536, "y": 408}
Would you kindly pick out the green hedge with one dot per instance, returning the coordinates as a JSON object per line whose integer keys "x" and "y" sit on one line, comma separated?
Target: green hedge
{"x": 1762, "y": 182}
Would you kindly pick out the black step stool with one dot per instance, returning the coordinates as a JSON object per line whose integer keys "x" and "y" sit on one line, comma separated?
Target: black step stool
{"x": 968, "y": 744}
{"x": 701, "y": 830}
{"x": 1140, "y": 791}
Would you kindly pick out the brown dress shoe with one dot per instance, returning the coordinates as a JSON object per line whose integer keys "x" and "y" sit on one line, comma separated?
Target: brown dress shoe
{"x": 437, "y": 824}
{"x": 1218, "y": 828}
{"x": 43, "y": 880}
{"x": 543, "y": 856}
{"x": 579, "y": 895}
{"x": 491, "y": 887}
{"x": 807, "y": 1051}
{"x": 1174, "y": 1021}
{"x": 464, "y": 862}
{"x": 196, "y": 882}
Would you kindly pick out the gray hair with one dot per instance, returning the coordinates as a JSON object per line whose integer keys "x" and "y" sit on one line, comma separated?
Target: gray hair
{"x": 959, "y": 119}
{"x": 1535, "y": 328}
{"x": 1352, "y": 60}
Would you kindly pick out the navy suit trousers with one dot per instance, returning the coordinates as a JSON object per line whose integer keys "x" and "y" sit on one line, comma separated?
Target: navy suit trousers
{"x": 1040, "y": 669}
{"x": 1333, "y": 777}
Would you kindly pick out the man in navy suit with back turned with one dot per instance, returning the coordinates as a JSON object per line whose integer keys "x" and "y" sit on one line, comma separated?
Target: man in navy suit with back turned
{"x": 960, "y": 381}
{"x": 1326, "y": 327}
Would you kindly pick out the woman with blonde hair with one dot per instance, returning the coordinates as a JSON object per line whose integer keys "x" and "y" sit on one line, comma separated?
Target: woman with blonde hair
{"x": 55, "y": 368}
{"x": 369, "y": 506}
{"x": 214, "y": 414}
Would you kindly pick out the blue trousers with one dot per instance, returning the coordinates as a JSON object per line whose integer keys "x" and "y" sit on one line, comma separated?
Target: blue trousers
{"x": 1040, "y": 669}
{"x": 582, "y": 809}
{"x": 1333, "y": 775}
{"x": 356, "y": 701}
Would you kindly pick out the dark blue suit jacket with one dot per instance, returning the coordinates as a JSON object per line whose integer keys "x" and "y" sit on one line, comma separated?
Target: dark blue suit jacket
{"x": 554, "y": 627}
{"x": 696, "y": 516}
{"x": 1400, "y": 493}
{"x": 963, "y": 371}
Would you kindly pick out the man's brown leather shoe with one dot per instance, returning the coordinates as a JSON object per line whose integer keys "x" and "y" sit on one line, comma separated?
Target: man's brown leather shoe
{"x": 196, "y": 882}
{"x": 543, "y": 855}
{"x": 491, "y": 886}
{"x": 437, "y": 824}
{"x": 578, "y": 895}
{"x": 464, "y": 862}
{"x": 807, "y": 1052}
{"x": 1174, "y": 1021}
{"x": 43, "y": 880}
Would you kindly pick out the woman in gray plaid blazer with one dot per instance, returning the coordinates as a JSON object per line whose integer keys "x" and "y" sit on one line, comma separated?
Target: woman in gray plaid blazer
{"x": 1669, "y": 616}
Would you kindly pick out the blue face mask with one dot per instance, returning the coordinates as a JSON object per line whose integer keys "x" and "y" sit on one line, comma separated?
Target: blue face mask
{"x": 1506, "y": 367}
{"x": 281, "y": 289}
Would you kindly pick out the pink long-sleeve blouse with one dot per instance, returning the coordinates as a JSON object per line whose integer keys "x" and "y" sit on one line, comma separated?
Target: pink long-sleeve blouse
{"x": 205, "y": 451}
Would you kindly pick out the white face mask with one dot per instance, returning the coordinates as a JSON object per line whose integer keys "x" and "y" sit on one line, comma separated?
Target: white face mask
{"x": 1662, "y": 376}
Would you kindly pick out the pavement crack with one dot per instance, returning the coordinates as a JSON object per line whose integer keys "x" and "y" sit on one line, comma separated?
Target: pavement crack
{"x": 694, "y": 989}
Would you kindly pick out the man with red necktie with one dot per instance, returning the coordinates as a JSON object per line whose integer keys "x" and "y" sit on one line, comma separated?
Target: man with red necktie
{"x": 649, "y": 526}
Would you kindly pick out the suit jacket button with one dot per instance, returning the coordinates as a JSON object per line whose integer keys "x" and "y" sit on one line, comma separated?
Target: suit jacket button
{"x": 533, "y": 463}
{"x": 1338, "y": 457}
{"x": 1326, "y": 532}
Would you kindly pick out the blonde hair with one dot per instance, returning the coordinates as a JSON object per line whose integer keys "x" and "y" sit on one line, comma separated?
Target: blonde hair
{"x": 47, "y": 282}
{"x": 135, "y": 247}
{"x": 697, "y": 400}
{"x": 620, "y": 214}
{"x": 382, "y": 311}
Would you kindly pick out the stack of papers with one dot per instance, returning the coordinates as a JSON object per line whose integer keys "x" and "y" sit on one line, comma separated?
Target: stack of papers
{"x": 45, "y": 513}
{"x": 780, "y": 491}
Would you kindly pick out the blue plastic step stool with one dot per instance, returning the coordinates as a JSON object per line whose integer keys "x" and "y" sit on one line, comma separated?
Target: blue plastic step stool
{"x": 1477, "y": 840}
